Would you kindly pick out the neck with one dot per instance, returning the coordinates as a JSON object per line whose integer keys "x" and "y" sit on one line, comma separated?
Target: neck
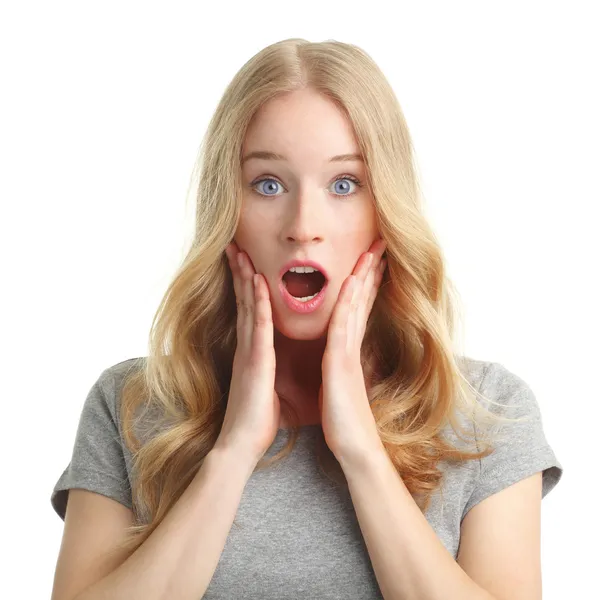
{"x": 299, "y": 362}
{"x": 298, "y": 376}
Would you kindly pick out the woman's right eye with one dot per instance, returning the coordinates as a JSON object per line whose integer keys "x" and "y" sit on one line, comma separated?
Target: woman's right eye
{"x": 271, "y": 186}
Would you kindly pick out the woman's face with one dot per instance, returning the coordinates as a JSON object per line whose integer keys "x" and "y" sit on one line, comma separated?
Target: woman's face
{"x": 299, "y": 210}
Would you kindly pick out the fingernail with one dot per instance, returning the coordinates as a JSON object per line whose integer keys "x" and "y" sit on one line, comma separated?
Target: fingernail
{"x": 370, "y": 259}
{"x": 239, "y": 259}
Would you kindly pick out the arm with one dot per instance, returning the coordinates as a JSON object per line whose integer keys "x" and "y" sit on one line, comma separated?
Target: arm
{"x": 409, "y": 560}
{"x": 179, "y": 558}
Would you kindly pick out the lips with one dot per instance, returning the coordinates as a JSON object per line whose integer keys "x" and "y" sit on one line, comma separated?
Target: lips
{"x": 303, "y": 263}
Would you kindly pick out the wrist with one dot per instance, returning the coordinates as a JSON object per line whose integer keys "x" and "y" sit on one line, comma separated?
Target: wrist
{"x": 234, "y": 457}
{"x": 363, "y": 460}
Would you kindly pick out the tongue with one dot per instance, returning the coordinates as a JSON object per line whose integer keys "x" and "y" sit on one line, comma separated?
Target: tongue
{"x": 301, "y": 285}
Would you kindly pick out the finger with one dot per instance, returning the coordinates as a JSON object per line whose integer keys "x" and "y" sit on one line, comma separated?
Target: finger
{"x": 374, "y": 290}
{"x": 235, "y": 271}
{"x": 358, "y": 318}
{"x": 376, "y": 251}
{"x": 262, "y": 341}
{"x": 238, "y": 286}
{"x": 363, "y": 265}
{"x": 248, "y": 303}
{"x": 371, "y": 289}
{"x": 338, "y": 326}
{"x": 371, "y": 259}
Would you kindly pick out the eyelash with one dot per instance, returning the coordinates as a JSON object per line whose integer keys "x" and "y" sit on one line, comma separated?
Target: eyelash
{"x": 270, "y": 177}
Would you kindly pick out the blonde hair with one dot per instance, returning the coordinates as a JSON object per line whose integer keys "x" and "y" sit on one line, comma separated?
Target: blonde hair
{"x": 409, "y": 350}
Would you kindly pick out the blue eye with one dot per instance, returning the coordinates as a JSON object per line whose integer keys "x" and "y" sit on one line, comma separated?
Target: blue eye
{"x": 273, "y": 183}
{"x": 276, "y": 182}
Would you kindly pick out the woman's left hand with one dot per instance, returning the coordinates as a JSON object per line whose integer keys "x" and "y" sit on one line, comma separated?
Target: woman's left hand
{"x": 348, "y": 424}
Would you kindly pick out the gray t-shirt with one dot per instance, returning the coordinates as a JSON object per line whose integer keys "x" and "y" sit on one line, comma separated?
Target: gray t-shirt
{"x": 299, "y": 536}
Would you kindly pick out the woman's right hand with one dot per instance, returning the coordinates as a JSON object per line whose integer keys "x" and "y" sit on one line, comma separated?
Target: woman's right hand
{"x": 252, "y": 415}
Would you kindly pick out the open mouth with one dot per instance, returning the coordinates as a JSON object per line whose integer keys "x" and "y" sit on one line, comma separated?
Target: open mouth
{"x": 304, "y": 283}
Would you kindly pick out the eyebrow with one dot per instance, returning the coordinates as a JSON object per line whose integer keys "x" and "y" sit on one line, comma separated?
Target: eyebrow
{"x": 264, "y": 155}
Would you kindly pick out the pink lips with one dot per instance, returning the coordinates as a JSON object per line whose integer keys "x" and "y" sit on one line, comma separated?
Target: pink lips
{"x": 295, "y": 304}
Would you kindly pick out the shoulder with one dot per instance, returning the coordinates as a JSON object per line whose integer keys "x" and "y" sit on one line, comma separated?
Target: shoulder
{"x": 473, "y": 369}
{"x": 507, "y": 393}
{"x": 112, "y": 378}
{"x": 117, "y": 373}
{"x": 499, "y": 385}
{"x": 104, "y": 397}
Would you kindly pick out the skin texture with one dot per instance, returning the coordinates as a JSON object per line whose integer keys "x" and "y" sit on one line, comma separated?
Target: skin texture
{"x": 300, "y": 211}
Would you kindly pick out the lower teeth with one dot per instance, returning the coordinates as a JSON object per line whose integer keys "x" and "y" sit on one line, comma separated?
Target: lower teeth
{"x": 306, "y": 298}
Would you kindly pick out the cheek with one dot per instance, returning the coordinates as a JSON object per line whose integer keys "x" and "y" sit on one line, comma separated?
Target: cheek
{"x": 251, "y": 228}
{"x": 360, "y": 219}
{"x": 354, "y": 238}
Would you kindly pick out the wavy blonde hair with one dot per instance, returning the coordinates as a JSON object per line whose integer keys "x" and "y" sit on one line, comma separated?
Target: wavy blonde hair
{"x": 172, "y": 406}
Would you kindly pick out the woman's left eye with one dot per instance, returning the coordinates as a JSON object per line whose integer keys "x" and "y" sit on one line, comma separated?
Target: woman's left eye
{"x": 340, "y": 192}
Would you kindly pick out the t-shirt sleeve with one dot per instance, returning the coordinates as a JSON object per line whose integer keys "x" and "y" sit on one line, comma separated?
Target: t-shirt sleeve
{"x": 97, "y": 463}
{"x": 522, "y": 449}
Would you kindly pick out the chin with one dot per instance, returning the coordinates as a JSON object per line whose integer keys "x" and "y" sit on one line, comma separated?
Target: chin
{"x": 301, "y": 328}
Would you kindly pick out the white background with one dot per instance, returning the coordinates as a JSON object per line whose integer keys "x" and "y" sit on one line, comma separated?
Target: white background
{"x": 103, "y": 106}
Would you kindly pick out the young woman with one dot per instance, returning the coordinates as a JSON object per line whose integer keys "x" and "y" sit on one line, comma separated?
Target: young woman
{"x": 304, "y": 425}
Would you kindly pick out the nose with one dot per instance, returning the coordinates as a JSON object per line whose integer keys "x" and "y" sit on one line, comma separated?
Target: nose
{"x": 303, "y": 220}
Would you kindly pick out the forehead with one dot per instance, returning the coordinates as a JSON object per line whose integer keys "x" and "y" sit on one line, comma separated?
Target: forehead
{"x": 302, "y": 125}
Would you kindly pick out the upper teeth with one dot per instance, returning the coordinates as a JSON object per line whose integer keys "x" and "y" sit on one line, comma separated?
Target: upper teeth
{"x": 304, "y": 270}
